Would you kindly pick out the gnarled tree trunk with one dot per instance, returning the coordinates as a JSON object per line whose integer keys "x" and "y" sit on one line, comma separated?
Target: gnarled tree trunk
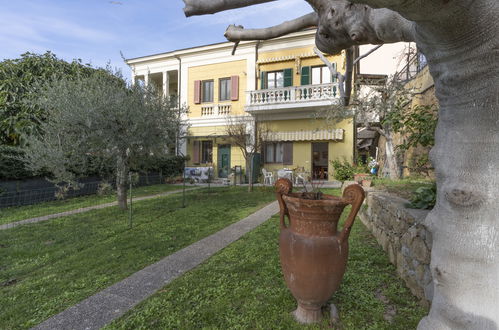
{"x": 461, "y": 43}
{"x": 465, "y": 222}
{"x": 391, "y": 167}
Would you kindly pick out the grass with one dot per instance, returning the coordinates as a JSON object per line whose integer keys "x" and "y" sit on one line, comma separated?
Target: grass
{"x": 242, "y": 287}
{"x": 404, "y": 188}
{"x": 11, "y": 214}
{"x": 49, "y": 266}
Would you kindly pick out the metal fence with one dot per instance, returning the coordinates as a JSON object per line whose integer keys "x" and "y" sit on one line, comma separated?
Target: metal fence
{"x": 414, "y": 64}
{"x": 45, "y": 194}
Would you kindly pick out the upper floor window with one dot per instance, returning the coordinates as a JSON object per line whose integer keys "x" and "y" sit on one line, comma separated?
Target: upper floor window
{"x": 316, "y": 75}
{"x": 225, "y": 89}
{"x": 207, "y": 91}
{"x": 321, "y": 75}
{"x": 276, "y": 79}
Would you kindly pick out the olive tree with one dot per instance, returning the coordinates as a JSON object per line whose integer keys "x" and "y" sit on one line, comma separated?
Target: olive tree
{"x": 459, "y": 40}
{"x": 96, "y": 121}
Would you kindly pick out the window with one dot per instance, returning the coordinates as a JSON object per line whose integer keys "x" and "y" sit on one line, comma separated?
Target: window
{"x": 275, "y": 79}
{"x": 206, "y": 151}
{"x": 224, "y": 89}
{"x": 279, "y": 152}
{"x": 207, "y": 91}
{"x": 321, "y": 75}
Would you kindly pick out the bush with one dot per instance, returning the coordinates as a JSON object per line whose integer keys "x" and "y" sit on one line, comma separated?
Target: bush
{"x": 11, "y": 164}
{"x": 424, "y": 198}
{"x": 105, "y": 189}
{"x": 171, "y": 166}
{"x": 343, "y": 170}
{"x": 168, "y": 165}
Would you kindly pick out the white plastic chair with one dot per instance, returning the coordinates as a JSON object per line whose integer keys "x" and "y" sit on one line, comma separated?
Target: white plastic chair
{"x": 300, "y": 179}
{"x": 268, "y": 177}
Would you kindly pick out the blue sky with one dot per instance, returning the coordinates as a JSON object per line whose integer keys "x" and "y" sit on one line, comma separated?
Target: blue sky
{"x": 97, "y": 30}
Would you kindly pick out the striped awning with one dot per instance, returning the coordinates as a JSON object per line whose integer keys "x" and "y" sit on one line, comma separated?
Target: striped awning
{"x": 330, "y": 134}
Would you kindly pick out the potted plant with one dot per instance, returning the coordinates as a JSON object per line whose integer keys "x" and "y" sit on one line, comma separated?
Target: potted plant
{"x": 313, "y": 252}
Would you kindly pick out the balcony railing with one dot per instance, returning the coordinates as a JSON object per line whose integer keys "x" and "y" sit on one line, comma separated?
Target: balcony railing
{"x": 215, "y": 110}
{"x": 294, "y": 94}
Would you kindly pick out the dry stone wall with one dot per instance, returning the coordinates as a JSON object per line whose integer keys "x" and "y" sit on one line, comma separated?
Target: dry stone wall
{"x": 404, "y": 236}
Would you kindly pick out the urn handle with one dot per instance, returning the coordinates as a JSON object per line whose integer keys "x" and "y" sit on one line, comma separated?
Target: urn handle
{"x": 354, "y": 195}
{"x": 283, "y": 186}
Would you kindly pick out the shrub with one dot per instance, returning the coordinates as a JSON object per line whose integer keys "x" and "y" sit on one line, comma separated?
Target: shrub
{"x": 424, "y": 198}
{"x": 343, "y": 170}
{"x": 168, "y": 165}
{"x": 105, "y": 188}
{"x": 11, "y": 164}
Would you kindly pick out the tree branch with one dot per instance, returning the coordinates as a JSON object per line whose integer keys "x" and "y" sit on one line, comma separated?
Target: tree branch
{"x": 412, "y": 10}
{"x": 343, "y": 24}
{"x": 203, "y": 7}
{"x": 367, "y": 54}
{"x": 238, "y": 33}
{"x": 341, "y": 78}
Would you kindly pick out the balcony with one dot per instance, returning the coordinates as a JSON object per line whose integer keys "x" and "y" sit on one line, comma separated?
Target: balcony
{"x": 295, "y": 97}
{"x": 214, "y": 110}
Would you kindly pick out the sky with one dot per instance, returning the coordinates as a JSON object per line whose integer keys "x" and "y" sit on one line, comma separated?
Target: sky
{"x": 96, "y": 31}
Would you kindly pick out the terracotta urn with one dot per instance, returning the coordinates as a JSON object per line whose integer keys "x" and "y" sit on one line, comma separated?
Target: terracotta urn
{"x": 313, "y": 252}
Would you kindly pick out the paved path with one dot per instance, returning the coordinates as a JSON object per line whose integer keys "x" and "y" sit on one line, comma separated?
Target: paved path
{"x": 109, "y": 304}
{"x": 85, "y": 209}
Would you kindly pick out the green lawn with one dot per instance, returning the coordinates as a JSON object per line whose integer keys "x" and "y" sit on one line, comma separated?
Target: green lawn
{"x": 242, "y": 287}
{"x": 404, "y": 188}
{"x": 49, "y": 266}
{"x": 11, "y": 214}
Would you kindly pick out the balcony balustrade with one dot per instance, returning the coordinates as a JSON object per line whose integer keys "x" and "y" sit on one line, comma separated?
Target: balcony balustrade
{"x": 215, "y": 110}
{"x": 294, "y": 94}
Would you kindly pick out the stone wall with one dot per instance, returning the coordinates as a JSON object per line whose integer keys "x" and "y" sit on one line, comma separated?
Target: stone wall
{"x": 405, "y": 238}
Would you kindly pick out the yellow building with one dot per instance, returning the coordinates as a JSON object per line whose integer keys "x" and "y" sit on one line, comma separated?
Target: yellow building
{"x": 279, "y": 84}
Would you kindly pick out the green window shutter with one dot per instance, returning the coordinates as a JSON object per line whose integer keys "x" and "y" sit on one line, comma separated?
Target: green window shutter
{"x": 263, "y": 80}
{"x": 333, "y": 78}
{"x": 288, "y": 77}
{"x": 305, "y": 75}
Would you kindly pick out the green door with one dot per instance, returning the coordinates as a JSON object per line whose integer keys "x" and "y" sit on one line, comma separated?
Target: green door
{"x": 223, "y": 160}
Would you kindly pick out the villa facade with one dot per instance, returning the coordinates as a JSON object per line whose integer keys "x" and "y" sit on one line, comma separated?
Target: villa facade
{"x": 280, "y": 83}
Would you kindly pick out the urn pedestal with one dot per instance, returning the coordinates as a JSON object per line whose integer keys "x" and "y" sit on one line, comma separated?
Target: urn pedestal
{"x": 313, "y": 252}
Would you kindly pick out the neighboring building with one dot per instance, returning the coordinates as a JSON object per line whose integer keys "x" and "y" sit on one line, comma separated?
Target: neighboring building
{"x": 280, "y": 84}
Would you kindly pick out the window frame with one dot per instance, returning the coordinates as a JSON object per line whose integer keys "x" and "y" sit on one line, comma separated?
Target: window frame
{"x": 322, "y": 67}
{"x": 267, "y": 73}
{"x": 203, "y": 90}
{"x": 209, "y": 155}
{"x": 228, "y": 80}
{"x": 275, "y": 146}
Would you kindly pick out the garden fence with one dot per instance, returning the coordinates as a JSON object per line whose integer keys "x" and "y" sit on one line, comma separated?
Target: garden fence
{"x": 34, "y": 196}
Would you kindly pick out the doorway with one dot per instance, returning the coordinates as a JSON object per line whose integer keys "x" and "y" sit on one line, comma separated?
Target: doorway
{"x": 223, "y": 160}
{"x": 320, "y": 160}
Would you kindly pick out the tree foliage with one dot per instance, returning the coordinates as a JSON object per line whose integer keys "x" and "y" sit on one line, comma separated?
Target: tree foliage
{"x": 417, "y": 124}
{"x": 19, "y": 78}
{"x": 95, "y": 121}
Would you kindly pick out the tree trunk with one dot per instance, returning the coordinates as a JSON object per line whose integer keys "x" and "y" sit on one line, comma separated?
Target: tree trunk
{"x": 465, "y": 221}
{"x": 391, "y": 166}
{"x": 249, "y": 172}
{"x": 121, "y": 181}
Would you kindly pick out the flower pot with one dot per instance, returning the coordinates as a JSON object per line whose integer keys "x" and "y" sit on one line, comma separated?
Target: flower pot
{"x": 358, "y": 177}
{"x": 366, "y": 183}
{"x": 313, "y": 252}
